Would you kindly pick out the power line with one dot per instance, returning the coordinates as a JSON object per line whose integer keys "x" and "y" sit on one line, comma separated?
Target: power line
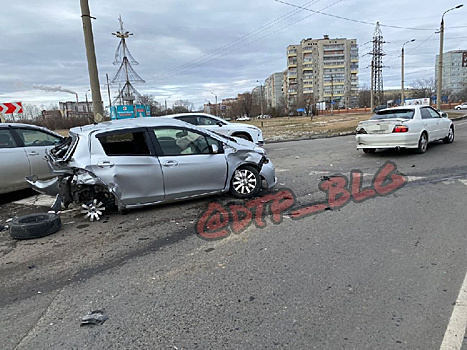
{"x": 218, "y": 53}
{"x": 349, "y": 19}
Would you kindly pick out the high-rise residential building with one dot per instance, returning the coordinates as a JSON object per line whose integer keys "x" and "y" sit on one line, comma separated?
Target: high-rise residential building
{"x": 273, "y": 90}
{"x": 324, "y": 69}
{"x": 454, "y": 77}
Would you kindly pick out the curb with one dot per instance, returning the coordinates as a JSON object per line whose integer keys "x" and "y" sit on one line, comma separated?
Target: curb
{"x": 328, "y": 136}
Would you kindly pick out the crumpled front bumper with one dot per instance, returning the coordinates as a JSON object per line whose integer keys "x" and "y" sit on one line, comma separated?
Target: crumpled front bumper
{"x": 268, "y": 173}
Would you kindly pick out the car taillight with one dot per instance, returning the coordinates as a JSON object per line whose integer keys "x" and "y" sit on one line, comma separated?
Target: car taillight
{"x": 400, "y": 128}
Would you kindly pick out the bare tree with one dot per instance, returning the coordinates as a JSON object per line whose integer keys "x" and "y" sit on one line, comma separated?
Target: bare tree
{"x": 364, "y": 97}
{"x": 148, "y": 100}
{"x": 182, "y": 106}
{"x": 246, "y": 103}
{"x": 423, "y": 88}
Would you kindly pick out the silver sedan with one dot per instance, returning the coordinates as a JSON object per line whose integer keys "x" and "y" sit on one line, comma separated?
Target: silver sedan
{"x": 22, "y": 153}
{"x": 143, "y": 161}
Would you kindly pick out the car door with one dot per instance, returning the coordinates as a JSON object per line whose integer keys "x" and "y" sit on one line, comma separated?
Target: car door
{"x": 14, "y": 163}
{"x": 442, "y": 124}
{"x": 429, "y": 123}
{"x": 189, "y": 165}
{"x": 126, "y": 161}
{"x": 36, "y": 142}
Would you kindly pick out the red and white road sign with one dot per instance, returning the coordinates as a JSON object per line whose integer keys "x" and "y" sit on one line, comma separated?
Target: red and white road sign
{"x": 11, "y": 107}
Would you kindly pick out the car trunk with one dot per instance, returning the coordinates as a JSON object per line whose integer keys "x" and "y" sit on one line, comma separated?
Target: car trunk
{"x": 380, "y": 126}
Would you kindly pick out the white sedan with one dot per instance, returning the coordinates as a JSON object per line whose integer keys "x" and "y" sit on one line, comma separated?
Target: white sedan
{"x": 404, "y": 127}
{"x": 221, "y": 126}
{"x": 461, "y": 106}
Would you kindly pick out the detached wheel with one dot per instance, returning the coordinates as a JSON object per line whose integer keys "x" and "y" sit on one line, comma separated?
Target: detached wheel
{"x": 450, "y": 137}
{"x": 35, "y": 225}
{"x": 245, "y": 182}
{"x": 369, "y": 150}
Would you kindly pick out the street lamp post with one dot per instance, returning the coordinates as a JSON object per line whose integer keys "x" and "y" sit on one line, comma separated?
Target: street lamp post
{"x": 216, "y": 103}
{"x": 261, "y": 97}
{"x": 402, "y": 73}
{"x": 440, "y": 58}
{"x": 87, "y": 102}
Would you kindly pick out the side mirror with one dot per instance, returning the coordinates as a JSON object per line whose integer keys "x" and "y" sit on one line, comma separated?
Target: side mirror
{"x": 214, "y": 149}
{"x": 220, "y": 124}
{"x": 444, "y": 114}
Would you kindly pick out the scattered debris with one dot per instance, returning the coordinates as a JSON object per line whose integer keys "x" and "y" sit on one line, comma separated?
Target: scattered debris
{"x": 96, "y": 317}
{"x": 209, "y": 250}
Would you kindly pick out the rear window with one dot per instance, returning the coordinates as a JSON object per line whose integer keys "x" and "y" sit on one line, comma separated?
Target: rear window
{"x": 394, "y": 114}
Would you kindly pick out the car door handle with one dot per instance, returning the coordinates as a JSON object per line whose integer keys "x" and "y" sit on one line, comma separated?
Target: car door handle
{"x": 33, "y": 153}
{"x": 170, "y": 163}
{"x": 105, "y": 164}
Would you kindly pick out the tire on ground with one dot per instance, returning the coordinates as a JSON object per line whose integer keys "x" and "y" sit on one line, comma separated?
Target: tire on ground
{"x": 35, "y": 225}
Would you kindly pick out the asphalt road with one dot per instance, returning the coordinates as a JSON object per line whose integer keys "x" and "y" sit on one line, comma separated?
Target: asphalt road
{"x": 383, "y": 273}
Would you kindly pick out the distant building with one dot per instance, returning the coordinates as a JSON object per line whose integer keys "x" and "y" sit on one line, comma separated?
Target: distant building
{"x": 75, "y": 109}
{"x": 454, "y": 70}
{"x": 273, "y": 90}
{"x": 324, "y": 68}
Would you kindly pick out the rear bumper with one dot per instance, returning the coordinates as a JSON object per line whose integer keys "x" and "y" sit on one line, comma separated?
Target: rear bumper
{"x": 393, "y": 140}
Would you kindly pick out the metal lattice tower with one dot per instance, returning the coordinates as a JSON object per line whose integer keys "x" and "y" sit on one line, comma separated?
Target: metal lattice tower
{"x": 125, "y": 74}
{"x": 377, "y": 66}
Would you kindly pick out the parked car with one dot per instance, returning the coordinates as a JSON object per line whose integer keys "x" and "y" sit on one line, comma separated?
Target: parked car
{"x": 461, "y": 106}
{"x": 243, "y": 119}
{"x": 22, "y": 153}
{"x": 379, "y": 108}
{"x": 136, "y": 162}
{"x": 221, "y": 126}
{"x": 404, "y": 127}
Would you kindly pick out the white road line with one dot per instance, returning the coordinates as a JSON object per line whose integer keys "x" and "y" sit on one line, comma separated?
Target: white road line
{"x": 415, "y": 178}
{"x": 454, "y": 335}
{"x": 456, "y": 124}
{"x": 463, "y": 181}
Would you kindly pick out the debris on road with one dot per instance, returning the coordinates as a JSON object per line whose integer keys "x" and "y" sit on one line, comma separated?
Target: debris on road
{"x": 96, "y": 317}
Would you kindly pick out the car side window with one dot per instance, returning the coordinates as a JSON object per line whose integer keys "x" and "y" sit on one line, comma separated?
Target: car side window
{"x": 177, "y": 141}
{"x": 6, "y": 139}
{"x": 207, "y": 121}
{"x": 125, "y": 143}
{"x": 191, "y": 119}
{"x": 433, "y": 113}
{"x": 32, "y": 137}
{"x": 425, "y": 113}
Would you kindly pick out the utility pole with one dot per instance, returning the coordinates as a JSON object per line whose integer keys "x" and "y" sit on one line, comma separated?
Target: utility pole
{"x": 92, "y": 62}
{"x": 377, "y": 67}
{"x": 216, "y": 103}
{"x": 402, "y": 73}
{"x": 332, "y": 94}
{"x": 440, "y": 58}
{"x": 260, "y": 97}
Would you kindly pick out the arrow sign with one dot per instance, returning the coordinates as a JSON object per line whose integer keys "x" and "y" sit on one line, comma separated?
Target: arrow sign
{"x": 11, "y": 107}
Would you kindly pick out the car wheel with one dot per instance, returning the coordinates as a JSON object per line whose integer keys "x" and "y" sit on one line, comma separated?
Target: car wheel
{"x": 245, "y": 182}
{"x": 244, "y": 136}
{"x": 35, "y": 225}
{"x": 93, "y": 210}
{"x": 422, "y": 143}
{"x": 458, "y": 108}
{"x": 369, "y": 150}
{"x": 450, "y": 137}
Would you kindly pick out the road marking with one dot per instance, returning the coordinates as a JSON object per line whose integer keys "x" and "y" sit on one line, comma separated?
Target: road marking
{"x": 415, "y": 178}
{"x": 463, "y": 181}
{"x": 318, "y": 172}
{"x": 454, "y": 335}
{"x": 456, "y": 124}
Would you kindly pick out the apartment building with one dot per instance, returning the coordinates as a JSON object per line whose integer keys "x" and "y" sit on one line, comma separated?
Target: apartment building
{"x": 273, "y": 90}
{"x": 326, "y": 69}
{"x": 454, "y": 70}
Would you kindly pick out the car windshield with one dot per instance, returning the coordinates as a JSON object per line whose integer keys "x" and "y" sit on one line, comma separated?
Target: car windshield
{"x": 394, "y": 114}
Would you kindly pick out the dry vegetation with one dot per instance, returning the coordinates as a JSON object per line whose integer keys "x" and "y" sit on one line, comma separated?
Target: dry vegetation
{"x": 305, "y": 127}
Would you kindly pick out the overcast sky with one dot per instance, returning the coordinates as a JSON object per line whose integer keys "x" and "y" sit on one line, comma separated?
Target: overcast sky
{"x": 193, "y": 50}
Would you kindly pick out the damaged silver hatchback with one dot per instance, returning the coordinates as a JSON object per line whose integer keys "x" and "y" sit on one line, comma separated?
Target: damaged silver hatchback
{"x": 144, "y": 161}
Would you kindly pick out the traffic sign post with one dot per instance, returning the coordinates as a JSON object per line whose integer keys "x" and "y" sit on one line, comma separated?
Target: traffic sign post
{"x": 11, "y": 107}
